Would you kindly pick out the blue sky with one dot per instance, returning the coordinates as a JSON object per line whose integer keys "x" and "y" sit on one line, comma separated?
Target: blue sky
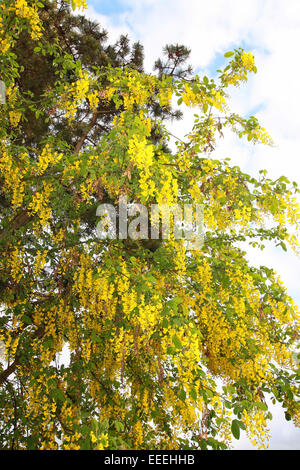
{"x": 110, "y": 8}
{"x": 271, "y": 30}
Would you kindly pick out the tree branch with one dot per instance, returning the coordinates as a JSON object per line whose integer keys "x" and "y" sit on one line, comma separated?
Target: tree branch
{"x": 86, "y": 133}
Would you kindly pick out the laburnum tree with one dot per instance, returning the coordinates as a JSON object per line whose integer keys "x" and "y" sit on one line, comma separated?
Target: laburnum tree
{"x": 170, "y": 347}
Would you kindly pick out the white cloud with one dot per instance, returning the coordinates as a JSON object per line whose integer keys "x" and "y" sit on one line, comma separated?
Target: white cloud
{"x": 113, "y": 28}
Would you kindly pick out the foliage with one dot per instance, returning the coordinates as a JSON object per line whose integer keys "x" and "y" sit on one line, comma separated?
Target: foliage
{"x": 169, "y": 348}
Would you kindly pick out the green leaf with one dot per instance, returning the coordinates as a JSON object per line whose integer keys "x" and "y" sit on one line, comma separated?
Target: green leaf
{"x": 203, "y": 444}
{"x": 262, "y": 406}
{"x": 176, "y": 342}
{"x": 58, "y": 394}
{"x": 26, "y": 319}
{"x": 287, "y": 416}
{"x": 229, "y": 54}
{"x": 242, "y": 426}
{"x": 170, "y": 350}
{"x": 119, "y": 426}
{"x": 235, "y": 428}
{"x": 283, "y": 246}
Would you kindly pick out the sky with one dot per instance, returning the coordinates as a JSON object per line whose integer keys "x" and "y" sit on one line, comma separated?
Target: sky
{"x": 270, "y": 29}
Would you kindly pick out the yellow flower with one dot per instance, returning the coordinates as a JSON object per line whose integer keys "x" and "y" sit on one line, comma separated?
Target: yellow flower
{"x": 14, "y": 118}
{"x": 93, "y": 437}
{"x": 23, "y": 10}
{"x": 248, "y": 60}
{"x": 80, "y": 4}
{"x": 93, "y": 98}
